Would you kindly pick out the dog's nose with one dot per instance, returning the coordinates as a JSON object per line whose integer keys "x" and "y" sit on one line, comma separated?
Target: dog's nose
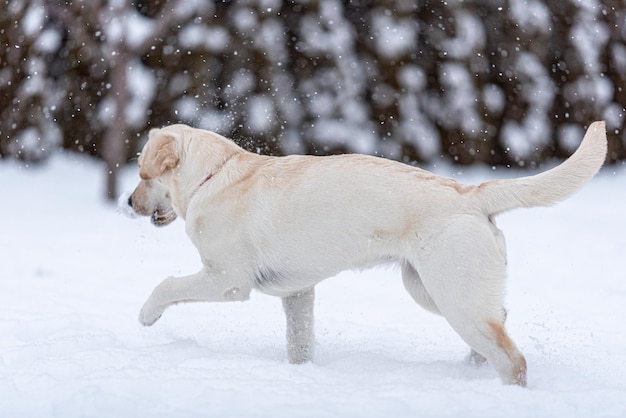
{"x": 130, "y": 200}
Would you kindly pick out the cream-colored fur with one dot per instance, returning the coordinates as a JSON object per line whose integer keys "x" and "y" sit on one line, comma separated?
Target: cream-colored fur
{"x": 280, "y": 225}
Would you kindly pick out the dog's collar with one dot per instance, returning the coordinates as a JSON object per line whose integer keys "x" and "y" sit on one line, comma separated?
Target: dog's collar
{"x": 209, "y": 177}
{"x": 202, "y": 183}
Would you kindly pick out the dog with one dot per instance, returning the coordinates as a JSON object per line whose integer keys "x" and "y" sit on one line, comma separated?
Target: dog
{"x": 280, "y": 225}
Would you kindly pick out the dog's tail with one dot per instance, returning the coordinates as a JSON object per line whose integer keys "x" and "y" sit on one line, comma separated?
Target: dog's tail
{"x": 551, "y": 186}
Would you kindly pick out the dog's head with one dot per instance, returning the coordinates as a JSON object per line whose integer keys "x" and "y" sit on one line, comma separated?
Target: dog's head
{"x": 175, "y": 162}
{"x": 152, "y": 196}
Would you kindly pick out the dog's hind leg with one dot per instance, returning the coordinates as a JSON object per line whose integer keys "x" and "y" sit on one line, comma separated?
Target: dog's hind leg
{"x": 413, "y": 284}
{"x": 463, "y": 271}
{"x": 477, "y": 359}
{"x": 299, "y": 312}
{"x": 483, "y": 330}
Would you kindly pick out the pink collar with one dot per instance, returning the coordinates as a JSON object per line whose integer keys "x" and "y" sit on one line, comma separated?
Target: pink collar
{"x": 209, "y": 177}
{"x": 206, "y": 179}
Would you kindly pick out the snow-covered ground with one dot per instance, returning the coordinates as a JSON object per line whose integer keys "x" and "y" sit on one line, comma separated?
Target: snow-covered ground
{"x": 74, "y": 273}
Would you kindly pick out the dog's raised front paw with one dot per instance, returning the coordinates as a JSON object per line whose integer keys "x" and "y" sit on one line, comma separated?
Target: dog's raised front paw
{"x": 148, "y": 315}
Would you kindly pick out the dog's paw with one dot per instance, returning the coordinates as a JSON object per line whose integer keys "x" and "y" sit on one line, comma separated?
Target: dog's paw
{"x": 148, "y": 316}
{"x": 475, "y": 359}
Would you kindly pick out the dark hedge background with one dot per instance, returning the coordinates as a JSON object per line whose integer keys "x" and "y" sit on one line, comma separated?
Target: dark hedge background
{"x": 496, "y": 82}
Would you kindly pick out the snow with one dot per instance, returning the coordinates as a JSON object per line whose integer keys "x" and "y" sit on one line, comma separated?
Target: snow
{"x": 324, "y": 34}
{"x": 245, "y": 20}
{"x": 494, "y": 98}
{"x": 569, "y": 136}
{"x": 532, "y": 15}
{"x": 138, "y": 28}
{"x": 48, "y": 41}
{"x": 525, "y": 138}
{"x": 393, "y": 37}
{"x": 328, "y": 132}
{"x": 33, "y": 19}
{"x": 459, "y": 102}
{"x": 470, "y": 36}
{"x": 412, "y": 78}
{"x": 141, "y": 84}
{"x": 74, "y": 273}
{"x": 260, "y": 113}
{"x": 216, "y": 39}
{"x": 271, "y": 38}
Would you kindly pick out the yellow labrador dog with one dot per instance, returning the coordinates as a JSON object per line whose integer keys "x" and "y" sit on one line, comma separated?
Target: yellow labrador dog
{"x": 280, "y": 225}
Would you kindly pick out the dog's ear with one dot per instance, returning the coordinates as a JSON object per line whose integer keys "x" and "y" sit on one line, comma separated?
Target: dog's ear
{"x": 159, "y": 154}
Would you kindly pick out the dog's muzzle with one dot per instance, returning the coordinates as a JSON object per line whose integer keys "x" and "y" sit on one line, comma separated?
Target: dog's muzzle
{"x": 162, "y": 218}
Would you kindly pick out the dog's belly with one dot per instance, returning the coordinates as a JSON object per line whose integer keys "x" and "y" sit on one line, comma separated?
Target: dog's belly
{"x": 303, "y": 272}
{"x": 281, "y": 283}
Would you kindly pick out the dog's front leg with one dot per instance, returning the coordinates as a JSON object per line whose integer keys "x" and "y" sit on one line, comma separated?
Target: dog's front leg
{"x": 299, "y": 311}
{"x": 199, "y": 287}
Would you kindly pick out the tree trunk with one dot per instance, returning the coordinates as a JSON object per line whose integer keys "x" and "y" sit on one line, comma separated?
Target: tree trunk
{"x": 114, "y": 151}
